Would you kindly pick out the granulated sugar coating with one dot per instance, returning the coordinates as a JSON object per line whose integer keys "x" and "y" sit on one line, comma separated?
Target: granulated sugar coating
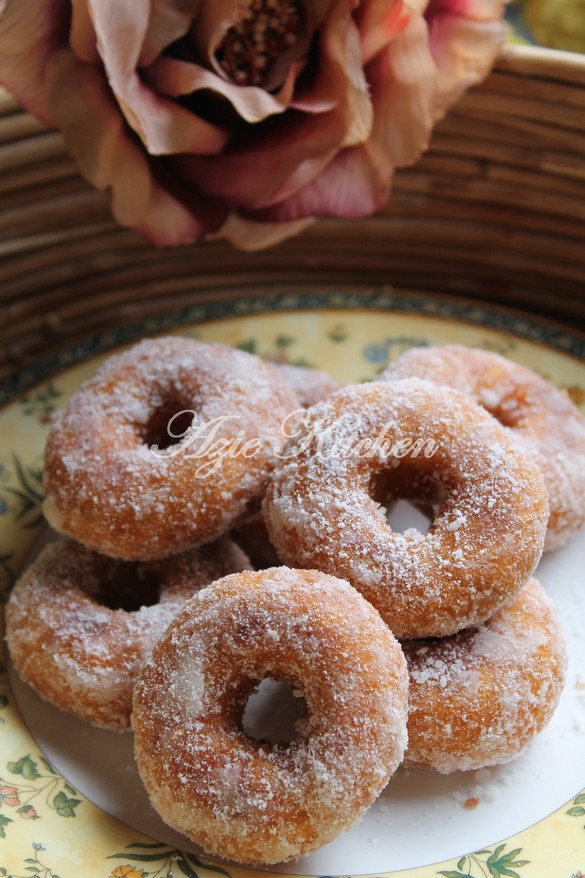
{"x": 478, "y": 698}
{"x": 237, "y": 797}
{"x": 369, "y": 444}
{"x": 106, "y": 486}
{"x": 543, "y": 418}
{"x": 72, "y": 639}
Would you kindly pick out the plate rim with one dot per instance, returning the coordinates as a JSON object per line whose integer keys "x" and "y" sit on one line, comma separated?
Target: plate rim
{"x": 280, "y": 298}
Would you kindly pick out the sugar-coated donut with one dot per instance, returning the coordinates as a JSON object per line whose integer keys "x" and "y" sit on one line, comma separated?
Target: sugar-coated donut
{"x": 246, "y": 800}
{"x": 107, "y": 487}
{"x": 79, "y": 625}
{"x": 369, "y": 444}
{"x": 542, "y": 417}
{"x": 310, "y": 385}
{"x": 478, "y": 698}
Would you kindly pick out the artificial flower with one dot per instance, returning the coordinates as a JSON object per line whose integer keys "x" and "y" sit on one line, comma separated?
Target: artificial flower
{"x": 244, "y": 119}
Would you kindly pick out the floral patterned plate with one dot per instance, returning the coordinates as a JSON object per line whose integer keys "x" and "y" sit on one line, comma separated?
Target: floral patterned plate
{"x": 70, "y": 799}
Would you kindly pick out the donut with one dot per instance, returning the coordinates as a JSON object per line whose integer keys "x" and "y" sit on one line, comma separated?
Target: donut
{"x": 479, "y": 697}
{"x": 310, "y": 385}
{"x": 113, "y": 482}
{"x": 543, "y": 418}
{"x": 370, "y": 444}
{"x": 247, "y": 800}
{"x": 79, "y": 625}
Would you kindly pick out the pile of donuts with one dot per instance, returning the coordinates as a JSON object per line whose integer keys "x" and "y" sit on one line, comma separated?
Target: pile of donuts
{"x": 224, "y": 521}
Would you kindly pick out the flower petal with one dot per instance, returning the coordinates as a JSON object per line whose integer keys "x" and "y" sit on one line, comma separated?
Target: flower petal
{"x": 247, "y": 234}
{"x": 82, "y": 107}
{"x": 478, "y": 10}
{"x": 379, "y": 21}
{"x": 301, "y": 176}
{"x": 353, "y": 184}
{"x": 169, "y": 21}
{"x": 340, "y": 80}
{"x": 82, "y": 37}
{"x": 464, "y": 44}
{"x": 402, "y": 78}
{"x": 260, "y": 161}
{"x": 29, "y": 33}
{"x": 214, "y": 20}
{"x": 173, "y": 77}
{"x": 164, "y": 126}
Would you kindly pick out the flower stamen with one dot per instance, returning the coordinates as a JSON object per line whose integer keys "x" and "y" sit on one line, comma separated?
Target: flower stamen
{"x": 265, "y": 30}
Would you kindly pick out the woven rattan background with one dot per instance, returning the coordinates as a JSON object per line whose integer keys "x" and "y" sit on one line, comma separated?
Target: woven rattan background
{"x": 495, "y": 211}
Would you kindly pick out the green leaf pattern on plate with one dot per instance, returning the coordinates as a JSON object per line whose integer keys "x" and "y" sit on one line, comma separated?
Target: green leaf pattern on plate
{"x": 496, "y": 863}
{"x": 42, "y": 403}
{"x": 279, "y": 350}
{"x": 577, "y": 809}
{"x": 172, "y": 863}
{"x": 21, "y": 492}
{"x": 28, "y": 786}
{"x": 35, "y": 866}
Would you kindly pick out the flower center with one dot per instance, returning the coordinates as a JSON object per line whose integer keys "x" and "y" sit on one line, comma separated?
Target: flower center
{"x": 265, "y": 30}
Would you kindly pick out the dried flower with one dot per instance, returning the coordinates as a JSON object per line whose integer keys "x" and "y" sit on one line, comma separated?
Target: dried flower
{"x": 244, "y": 118}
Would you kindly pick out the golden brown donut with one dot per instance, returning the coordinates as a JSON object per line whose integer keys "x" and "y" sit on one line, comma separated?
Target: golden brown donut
{"x": 371, "y": 443}
{"x": 542, "y": 417}
{"x": 249, "y": 801}
{"x": 310, "y": 386}
{"x": 107, "y": 487}
{"x": 478, "y": 698}
{"x": 79, "y": 625}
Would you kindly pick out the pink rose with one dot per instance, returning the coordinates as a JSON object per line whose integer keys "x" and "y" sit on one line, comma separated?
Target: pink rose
{"x": 243, "y": 118}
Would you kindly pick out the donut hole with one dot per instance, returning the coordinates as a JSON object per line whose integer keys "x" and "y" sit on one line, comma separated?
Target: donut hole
{"x": 505, "y": 408}
{"x": 168, "y": 424}
{"x": 128, "y": 586}
{"x": 402, "y": 516}
{"x": 274, "y": 712}
{"x": 408, "y": 498}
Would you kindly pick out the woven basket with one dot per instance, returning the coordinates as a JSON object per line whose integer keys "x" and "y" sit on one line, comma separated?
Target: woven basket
{"x": 494, "y": 211}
